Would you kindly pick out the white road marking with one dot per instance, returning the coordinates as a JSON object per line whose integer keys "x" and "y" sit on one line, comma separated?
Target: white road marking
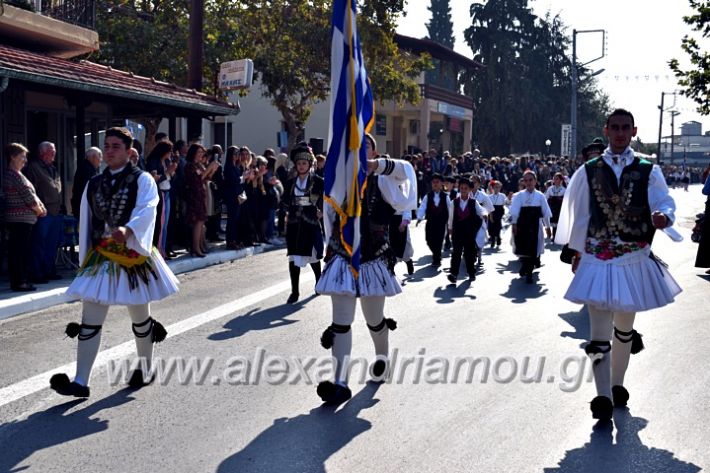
{"x": 36, "y": 383}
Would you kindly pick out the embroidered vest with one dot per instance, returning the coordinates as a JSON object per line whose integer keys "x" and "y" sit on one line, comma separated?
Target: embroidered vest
{"x": 112, "y": 204}
{"x": 619, "y": 209}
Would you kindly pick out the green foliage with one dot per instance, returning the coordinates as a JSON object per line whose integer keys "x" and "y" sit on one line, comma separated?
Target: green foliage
{"x": 522, "y": 96}
{"x": 288, "y": 40}
{"x": 441, "y": 27}
{"x": 696, "y": 80}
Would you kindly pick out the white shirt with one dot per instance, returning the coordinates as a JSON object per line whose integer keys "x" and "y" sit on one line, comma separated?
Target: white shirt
{"x": 421, "y": 212}
{"x": 497, "y": 199}
{"x": 480, "y": 211}
{"x": 484, "y": 201}
{"x": 555, "y": 191}
{"x": 574, "y": 216}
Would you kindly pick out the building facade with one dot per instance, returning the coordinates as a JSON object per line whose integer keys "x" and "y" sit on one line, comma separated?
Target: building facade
{"x": 443, "y": 118}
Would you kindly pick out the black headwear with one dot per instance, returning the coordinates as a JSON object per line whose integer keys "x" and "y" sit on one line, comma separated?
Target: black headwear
{"x": 595, "y": 146}
{"x": 302, "y": 152}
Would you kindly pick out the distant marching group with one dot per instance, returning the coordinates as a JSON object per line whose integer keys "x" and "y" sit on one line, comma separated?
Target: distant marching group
{"x": 605, "y": 217}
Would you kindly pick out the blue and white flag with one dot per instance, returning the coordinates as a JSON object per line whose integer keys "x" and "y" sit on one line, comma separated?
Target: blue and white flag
{"x": 352, "y": 115}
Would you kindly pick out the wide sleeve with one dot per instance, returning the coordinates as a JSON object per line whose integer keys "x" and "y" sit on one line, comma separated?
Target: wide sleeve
{"x": 546, "y": 211}
{"x": 421, "y": 212}
{"x": 398, "y": 184}
{"x": 84, "y": 226}
{"x": 574, "y": 215}
{"x": 658, "y": 197}
{"x": 142, "y": 221}
{"x": 486, "y": 203}
{"x": 480, "y": 211}
{"x": 515, "y": 208}
{"x": 450, "y": 207}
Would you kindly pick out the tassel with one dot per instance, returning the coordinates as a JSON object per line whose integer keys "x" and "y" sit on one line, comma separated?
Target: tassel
{"x": 159, "y": 332}
{"x": 391, "y": 324}
{"x": 327, "y": 339}
{"x": 73, "y": 329}
{"x": 636, "y": 343}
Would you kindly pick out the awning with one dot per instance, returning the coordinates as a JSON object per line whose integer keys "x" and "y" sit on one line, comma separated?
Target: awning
{"x": 94, "y": 78}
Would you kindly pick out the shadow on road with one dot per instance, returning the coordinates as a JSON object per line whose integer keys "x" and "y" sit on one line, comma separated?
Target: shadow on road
{"x": 305, "y": 442}
{"x": 257, "y": 319}
{"x": 627, "y": 454}
{"x": 41, "y": 430}
{"x": 512, "y": 266}
{"x": 451, "y": 292}
{"x": 427, "y": 271}
{"x": 519, "y": 291}
{"x": 579, "y": 321}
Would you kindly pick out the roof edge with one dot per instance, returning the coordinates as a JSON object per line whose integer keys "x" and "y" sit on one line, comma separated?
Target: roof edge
{"x": 125, "y": 93}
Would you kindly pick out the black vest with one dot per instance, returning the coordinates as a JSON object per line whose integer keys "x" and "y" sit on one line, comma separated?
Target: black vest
{"x": 437, "y": 213}
{"x": 374, "y": 223}
{"x": 466, "y": 223}
{"x": 123, "y": 194}
{"x": 619, "y": 210}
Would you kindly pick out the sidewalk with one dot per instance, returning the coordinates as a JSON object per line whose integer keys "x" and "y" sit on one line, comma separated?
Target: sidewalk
{"x": 53, "y": 293}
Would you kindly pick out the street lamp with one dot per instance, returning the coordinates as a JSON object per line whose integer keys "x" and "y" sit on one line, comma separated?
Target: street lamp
{"x": 548, "y": 143}
{"x": 575, "y": 83}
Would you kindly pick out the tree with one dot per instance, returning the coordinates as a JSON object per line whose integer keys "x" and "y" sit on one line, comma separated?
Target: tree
{"x": 522, "y": 95}
{"x": 290, "y": 46}
{"x": 696, "y": 79}
{"x": 288, "y": 40}
{"x": 441, "y": 28}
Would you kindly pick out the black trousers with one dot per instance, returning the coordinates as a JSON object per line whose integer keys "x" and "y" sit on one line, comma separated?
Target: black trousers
{"x": 19, "y": 247}
{"x": 435, "y": 232}
{"x": 469, "y": 250}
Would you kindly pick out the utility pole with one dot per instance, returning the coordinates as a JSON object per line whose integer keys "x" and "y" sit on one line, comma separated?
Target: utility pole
{"x": 195, "y": 51}
{"x": 573, "y": 101}
{"x": 575, "y": 84}
{"x": 660, "y": 128}
{"x": 660, "y": 121}
{"x": 673, "y": 115}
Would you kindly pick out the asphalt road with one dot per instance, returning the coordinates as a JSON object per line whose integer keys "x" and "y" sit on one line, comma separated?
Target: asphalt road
{"x": 429, "y": 417}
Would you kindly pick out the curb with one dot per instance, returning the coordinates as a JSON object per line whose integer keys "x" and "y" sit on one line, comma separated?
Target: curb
{"x": 31, "y": 302}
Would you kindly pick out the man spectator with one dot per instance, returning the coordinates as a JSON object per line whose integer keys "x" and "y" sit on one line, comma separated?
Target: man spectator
{"x": 47, "y": 233}
{"x": 438, "y": 164}
{"x": 85, "y": 170}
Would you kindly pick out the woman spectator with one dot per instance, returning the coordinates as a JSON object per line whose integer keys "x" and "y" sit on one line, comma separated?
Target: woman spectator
{"x": 257, "y": 199}
{"x": 214, "y": 196}
{"x": 196, "y": 177}
{"x": 160, "y": 165}
{"x": 231, "y": 192}
{"x": 245, "y": 225}
{"x": 21, "y": 212}
{"x": 282, "y": 168}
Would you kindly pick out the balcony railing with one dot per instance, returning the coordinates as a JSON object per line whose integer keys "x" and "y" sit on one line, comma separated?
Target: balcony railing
{"x": 76, "y": 12}
{"x": 443, "y": 95}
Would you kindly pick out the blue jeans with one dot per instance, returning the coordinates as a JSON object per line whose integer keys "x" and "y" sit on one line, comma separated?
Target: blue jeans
{"x": 47, "y": 235}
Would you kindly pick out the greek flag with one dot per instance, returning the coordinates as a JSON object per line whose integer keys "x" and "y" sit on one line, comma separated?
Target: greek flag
{"x": 352, "y": 114}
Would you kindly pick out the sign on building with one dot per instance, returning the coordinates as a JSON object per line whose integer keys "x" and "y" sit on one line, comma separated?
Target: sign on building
{"x": 566, "y": 140}
{"x": 235, "y": 75}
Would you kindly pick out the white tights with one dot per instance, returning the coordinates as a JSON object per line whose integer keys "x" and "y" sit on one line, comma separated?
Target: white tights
{"x": 95, "y": 314}
{"x": 344, "y": 314}
{"x": 610, "y": 370}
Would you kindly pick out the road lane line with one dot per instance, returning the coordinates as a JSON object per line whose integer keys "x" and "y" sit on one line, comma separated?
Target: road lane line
{"x": 36, "y": 383}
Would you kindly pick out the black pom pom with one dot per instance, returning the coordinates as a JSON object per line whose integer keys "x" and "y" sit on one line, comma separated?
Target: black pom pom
{"x": 327, "y": 339}
{"x": 391, "y": 324}
{"x": 636, "y": 343}
{"x": 159, "y": 332}
{"x": 73, "y": 329}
